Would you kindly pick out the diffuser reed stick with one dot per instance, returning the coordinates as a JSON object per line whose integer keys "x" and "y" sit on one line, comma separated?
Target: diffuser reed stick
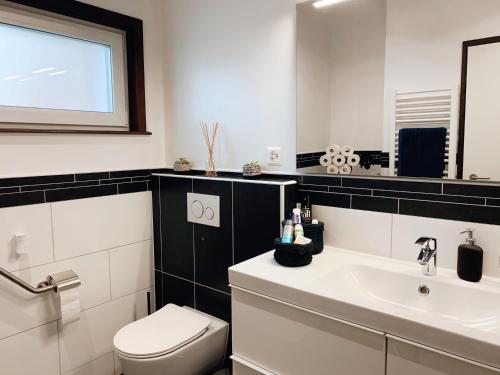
{"x": 209, "y": 137}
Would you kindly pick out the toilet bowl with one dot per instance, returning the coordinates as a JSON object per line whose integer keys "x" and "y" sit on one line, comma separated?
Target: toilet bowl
{"x": 173, "y": 340}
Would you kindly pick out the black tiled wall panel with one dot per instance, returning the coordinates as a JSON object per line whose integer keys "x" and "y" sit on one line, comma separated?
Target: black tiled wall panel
{"x": 444, "y": 200}
{"x": 191, "y": 260}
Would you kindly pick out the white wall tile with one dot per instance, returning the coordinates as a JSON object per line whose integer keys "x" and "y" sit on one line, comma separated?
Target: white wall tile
{"x": 87, "y": 225}
{"x": 31, "y": 352}
{"x": 368, "y": 232}
{"x": 131, "y": 268}
{"x": 92, "y": 337}
{"x": 34, "y": 221}
{"x": 101, "y": 366}
{"x": 22, "y": 310}
{"x": 406, "y": 230}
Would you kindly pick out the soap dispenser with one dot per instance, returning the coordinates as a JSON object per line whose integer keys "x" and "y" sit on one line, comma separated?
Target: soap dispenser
{"x": 470, "y": 259}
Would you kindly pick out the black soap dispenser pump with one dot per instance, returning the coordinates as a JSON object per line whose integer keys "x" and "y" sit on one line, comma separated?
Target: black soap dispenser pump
{"x": 470, "y": 259}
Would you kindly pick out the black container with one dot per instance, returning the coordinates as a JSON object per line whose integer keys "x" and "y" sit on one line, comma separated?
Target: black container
{"x": 470, "y": 259}
{"x": 315, "y": 233}
{"x": 291, "y": 255}
{"x": 470, "y": 263}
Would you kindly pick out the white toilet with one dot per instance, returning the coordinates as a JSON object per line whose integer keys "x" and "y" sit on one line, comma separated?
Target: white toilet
{"x": 173, "y": 340}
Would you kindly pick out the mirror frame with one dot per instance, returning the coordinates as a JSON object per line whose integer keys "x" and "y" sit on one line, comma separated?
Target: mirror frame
{"x": 463, "y": 99}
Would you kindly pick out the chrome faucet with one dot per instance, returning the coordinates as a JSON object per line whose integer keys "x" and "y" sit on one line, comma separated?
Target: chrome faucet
{"x": 428, "y": 255}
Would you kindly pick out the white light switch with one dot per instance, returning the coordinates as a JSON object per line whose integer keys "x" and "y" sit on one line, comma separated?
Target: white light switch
{"x": 203, "y": 209}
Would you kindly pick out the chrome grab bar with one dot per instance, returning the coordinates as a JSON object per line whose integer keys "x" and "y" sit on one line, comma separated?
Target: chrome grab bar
{"x": 61, "y": 280}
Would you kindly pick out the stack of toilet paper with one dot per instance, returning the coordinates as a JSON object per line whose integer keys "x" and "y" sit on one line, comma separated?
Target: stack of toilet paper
{"x": 339, "y": 159}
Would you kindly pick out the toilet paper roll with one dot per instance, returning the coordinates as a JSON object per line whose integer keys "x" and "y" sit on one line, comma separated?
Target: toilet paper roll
{"x": 353, "y": 160}
{"x": 333, "y": 150}
{"x": 70, "y": 305}
{"x": 347, "y": 150}
{"x": 325, "y": 160}
{"x": 339, "y": 160}
{"x": 345, "y": 169}
{"x": 332, "y": 169}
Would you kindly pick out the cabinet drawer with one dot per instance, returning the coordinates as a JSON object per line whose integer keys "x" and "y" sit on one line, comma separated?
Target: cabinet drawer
{"x": 405, "y": 357}
{"x": 285, "y": 339}
{"x": 242, "y": 367}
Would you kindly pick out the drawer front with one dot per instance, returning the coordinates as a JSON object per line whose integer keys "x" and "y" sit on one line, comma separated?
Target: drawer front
{"x": 242, "y": 367}
{"x": 404, "y": 357}
{"x": 284, "y": 339}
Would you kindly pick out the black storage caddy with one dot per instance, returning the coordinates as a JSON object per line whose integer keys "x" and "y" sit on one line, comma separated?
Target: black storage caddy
{"x": 315, "y": 233}
{"x": 291, "y": 255}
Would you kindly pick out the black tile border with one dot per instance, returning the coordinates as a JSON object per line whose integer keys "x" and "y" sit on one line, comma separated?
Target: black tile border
{"x": 479, "y": 203}
{"x": 465, "y": 201}
{"x": 20, "y": 191}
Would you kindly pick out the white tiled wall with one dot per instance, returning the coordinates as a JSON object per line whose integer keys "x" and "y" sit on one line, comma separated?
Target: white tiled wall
{"x": 107, "y": 242}
{"x": 395, "y": 235}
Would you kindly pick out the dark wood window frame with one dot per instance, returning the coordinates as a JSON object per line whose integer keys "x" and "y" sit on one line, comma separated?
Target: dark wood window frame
{"x": 133, "y": 29}
{"x": 463, "y": 98}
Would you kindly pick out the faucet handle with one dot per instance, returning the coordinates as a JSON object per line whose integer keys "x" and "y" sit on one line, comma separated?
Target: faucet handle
{"x": 427, "y": 242}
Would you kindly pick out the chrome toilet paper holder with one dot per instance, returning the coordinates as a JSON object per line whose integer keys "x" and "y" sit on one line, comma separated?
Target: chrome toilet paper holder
{"x": 61, "y": 280}
{"x": 56, "y": 282}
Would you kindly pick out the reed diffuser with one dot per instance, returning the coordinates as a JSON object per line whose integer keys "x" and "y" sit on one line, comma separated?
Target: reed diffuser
{"x": 209, "y": 136}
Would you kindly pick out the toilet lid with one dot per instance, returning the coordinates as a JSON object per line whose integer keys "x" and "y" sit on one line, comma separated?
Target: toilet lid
{"x": 160, "y": 333}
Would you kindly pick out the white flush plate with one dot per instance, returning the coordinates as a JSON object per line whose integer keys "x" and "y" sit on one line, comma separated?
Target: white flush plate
{"x": 203, "y": 209}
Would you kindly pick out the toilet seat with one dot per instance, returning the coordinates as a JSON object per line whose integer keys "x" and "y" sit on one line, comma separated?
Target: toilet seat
{"x": 160, "y": 333}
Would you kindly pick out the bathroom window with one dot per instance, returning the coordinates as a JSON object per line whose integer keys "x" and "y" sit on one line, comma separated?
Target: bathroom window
{"x": 66, "y": 74}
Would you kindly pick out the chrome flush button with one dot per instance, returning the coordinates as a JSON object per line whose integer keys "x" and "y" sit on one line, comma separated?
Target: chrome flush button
{"x": 197, "y": 209}
{"x": 209, "y": 213}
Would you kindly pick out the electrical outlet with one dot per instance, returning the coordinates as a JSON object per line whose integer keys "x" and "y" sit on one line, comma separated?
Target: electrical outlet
{"x": 274, "y": 156}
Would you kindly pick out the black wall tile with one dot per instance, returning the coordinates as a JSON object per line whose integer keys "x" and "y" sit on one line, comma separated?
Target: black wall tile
{"x": 493, "y": 202}
{"x": 429, "y": 197}
{"x": 79, "y": 193}
{"x": 156, "y": 222}
{"x": 10, "y": 190}
{"x": 158, "y": 290}
{"x": 177, "y": 232}
{"x": 177, "y": 291}
{"x": 36, "y": 180}
{"x": 132, "y": 187}
{"x": 59, "y": 186}
{"x": 256, "y": 207}
{"x": 388, "y": 205}
{"x": 214, "y": 246}
{"x": 213, "y": 302}
{"x": 330, "y": 199}
{"x": 91, "y": 176}
{"x": 322, "y": 180}
{"x": 130, "y": 173}
{"x": 450, "y": 211}
{"x": 414, "y": 186}
{"x": 343, "y": 190}
{"x": 472, "y": 190}
{"x": 313, "y": 187}
{"x": 292, "y": 197}
{"x": 116, "y": 180}
{"x": 21, "y": 199}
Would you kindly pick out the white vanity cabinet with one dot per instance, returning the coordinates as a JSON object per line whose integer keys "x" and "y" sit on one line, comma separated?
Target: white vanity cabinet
{"x": 404, "y": 357}
{"x": 279, "y": 338}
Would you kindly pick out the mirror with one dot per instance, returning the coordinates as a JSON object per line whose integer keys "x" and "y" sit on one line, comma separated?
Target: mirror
{"x": 399, "y": 88}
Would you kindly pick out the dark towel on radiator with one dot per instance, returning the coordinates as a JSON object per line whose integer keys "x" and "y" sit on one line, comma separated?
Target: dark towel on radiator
{"x": 421, "y": 152}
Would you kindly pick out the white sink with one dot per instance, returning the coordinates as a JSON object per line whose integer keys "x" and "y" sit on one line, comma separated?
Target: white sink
{"x": 383, "y": 294}
{"x": 467, "y": 306}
